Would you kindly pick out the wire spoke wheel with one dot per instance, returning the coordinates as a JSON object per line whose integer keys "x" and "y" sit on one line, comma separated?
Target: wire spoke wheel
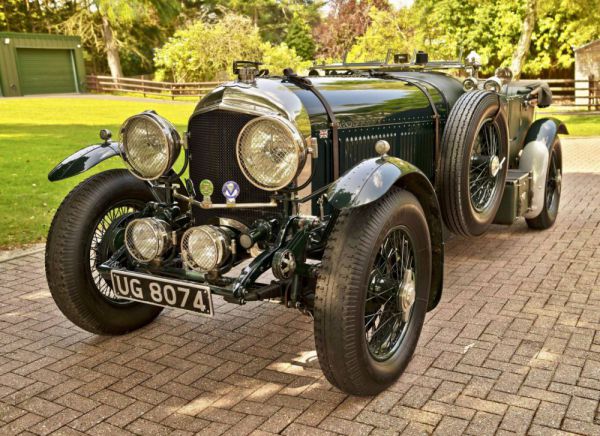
{"x": 553, "y": 182}
{"x": 485, "y": 166}
{"x": 473, "y": 166}
{"x": 373, "y": 291}
{"x": 390, "y": 295}
{"x": 102, "y": 245}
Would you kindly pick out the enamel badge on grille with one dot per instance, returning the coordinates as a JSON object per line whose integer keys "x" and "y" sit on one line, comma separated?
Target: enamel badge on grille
{"x": 231, "y": 191}
{"x": 206, "y": 189}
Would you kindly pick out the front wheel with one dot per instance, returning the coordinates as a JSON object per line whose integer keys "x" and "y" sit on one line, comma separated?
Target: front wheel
{"x": 372, "y": 293}
{"x": 86, "y": 230}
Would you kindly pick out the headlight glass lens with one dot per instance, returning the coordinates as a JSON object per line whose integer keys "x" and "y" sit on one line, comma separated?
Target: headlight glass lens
{"x": 147, "y": 239}
{"x": 150, "y": 146}
{"x": 270, "y": 153}
{"x": 204, "y": 248}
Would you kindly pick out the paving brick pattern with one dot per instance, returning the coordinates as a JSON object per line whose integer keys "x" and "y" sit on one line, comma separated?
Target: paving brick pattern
{"x": 514, "y": 347}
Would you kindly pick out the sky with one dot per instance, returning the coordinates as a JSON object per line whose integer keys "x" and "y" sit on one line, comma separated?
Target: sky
{"x": 401, "y": 3}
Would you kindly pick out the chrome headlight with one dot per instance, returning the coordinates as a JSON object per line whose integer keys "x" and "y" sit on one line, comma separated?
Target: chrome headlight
{"x": 270, "y": 152}
{"x": 493, "y": 84}
{"x": 150, "y": 145}
{"x": 469, "y": 83}
{"x": 205, "y": 248}
{"x": 147, "y": 239}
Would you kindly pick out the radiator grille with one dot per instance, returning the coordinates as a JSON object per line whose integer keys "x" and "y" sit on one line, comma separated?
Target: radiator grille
{"x": 212, "y": 141}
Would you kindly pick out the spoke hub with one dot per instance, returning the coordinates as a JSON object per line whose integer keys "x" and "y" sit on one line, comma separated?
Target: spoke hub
{"x": 494, "y": 166}
{"x": 407, "y": 294}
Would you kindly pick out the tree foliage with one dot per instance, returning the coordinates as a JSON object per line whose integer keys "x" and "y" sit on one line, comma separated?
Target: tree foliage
{"x": 135, "y": 25}
{"x": 347, "y": 20}
{"x": 36, "y": 16}
{"x": 492, "y": 28}
{"x": 276, "y": 58}
{"x": 362, "y": 29}
{"x": 299, "y": 37}
{"x": 206, "y": 50}
{"x": 389, "y": 30}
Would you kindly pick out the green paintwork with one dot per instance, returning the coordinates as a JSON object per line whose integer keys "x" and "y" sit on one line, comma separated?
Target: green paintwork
{"x": 368, "y": 181}
{"x": 364, "y": 101}
{"x": 373, "y": 178}
{"x": 20, "y": 45}
{"x": 83, "y": 160}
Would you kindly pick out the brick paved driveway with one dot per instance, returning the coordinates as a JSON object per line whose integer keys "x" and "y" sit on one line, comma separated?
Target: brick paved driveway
{"x": 513, "y": 347}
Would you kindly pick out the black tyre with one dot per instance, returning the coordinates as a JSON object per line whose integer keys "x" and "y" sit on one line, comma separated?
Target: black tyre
{"x": 377, "y": 260}
{"x": 78, "y": 241}
{"x": 547, "y": 217}
{"x": 473, "y": 163}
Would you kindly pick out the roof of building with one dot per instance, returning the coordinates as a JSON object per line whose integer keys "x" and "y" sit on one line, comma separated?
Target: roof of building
{"x": 588, "y": 45}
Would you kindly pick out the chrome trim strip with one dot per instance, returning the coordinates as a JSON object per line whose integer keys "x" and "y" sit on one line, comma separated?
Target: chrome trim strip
{"x": 195, "y": 202}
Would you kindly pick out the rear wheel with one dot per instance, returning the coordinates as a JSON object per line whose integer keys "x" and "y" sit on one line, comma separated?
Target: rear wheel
{"x": 86, "y": 230}
{"x": 473, "y": 163}
{"x": 372, "y": 293}
{"x": 547, "y": 217}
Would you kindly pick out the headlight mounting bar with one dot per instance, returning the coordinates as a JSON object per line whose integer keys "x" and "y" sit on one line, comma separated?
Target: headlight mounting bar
{"x": 202, "y": 205}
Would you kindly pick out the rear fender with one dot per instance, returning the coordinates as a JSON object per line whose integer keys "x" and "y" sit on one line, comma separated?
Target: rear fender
{"x": 535, "y": 157}
{"x": 371, "y": 179}
{"x": 83, "y": 160}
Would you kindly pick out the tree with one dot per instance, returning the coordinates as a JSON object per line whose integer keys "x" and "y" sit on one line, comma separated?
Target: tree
{"x": 525, "y": 39}
{"x": 347, "y": 20}
{"x": 276, "y": 58}
{"x": 560, "y": 26}
{"x": 299, "y": 37}
{"x": 206, "y": 50}
{"x": 272, "y": 17}
{"x": 37, "y": 16}
{"x": 99, "y": 23}
{"x": 494, "y": 28}
{"x": 389, "y": 30}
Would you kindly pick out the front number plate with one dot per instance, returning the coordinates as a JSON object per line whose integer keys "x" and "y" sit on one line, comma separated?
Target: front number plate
{"x": 162, "y": 292}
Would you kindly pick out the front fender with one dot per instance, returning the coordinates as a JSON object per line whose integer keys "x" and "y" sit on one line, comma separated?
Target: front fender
{"x": 371, "y": 179}
{"x": 83, "y": 160}
{"x": 367, "y": 182}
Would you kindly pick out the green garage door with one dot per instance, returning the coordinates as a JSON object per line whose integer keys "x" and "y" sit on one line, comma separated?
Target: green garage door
{"x": 45, "y": 71}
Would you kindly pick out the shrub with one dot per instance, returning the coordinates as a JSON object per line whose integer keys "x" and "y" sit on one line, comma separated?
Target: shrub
{"x": 205, "y": 51}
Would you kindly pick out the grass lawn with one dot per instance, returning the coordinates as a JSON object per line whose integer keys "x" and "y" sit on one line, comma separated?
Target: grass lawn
{"x": 578, "y": 125}
{"x": 36, "y": 134}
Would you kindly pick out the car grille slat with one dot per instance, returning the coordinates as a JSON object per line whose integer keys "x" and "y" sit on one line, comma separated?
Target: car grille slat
{"x": 212, "y": 141}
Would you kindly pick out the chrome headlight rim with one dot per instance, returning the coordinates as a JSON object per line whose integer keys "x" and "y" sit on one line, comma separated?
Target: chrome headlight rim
{"x": 161, "y": 230}
{"x": 301, "y": 149}
{"x": 219, "y": 240}
{"x": 170, "y": 136}
{"x": 493, "y": 84}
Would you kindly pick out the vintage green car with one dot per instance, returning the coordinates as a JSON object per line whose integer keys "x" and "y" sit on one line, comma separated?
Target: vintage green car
{"x": 338, "y": 191}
